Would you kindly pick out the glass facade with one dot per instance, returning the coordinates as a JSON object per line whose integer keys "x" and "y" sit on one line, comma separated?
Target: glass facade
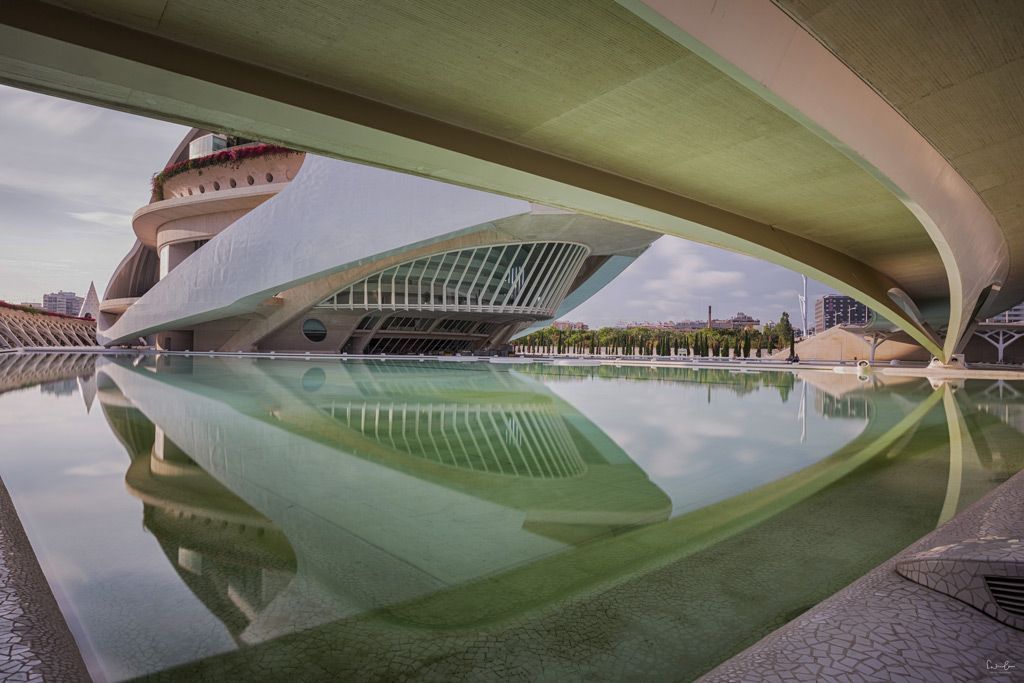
{"x": 206, "y": 145}
{"x": 528, "y": 278}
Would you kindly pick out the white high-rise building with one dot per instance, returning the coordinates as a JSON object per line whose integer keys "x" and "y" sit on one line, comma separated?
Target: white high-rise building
{"x": 65, "y": 303}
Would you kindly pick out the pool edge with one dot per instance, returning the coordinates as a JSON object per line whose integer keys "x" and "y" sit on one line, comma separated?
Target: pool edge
{"x": 34, "y": 637}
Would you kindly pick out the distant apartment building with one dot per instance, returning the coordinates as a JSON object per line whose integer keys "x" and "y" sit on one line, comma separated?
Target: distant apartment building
{"x": 65, "y": 303}
{"x": 690, "y": 325}
{"x": 658, "y": 325}
{"x": 566, "y": 325}
{"x": 836, "y": 309}
{"x": 1013, "y": 315}
{"x": 740, "y": 321}
{"x": 645, "y": 323}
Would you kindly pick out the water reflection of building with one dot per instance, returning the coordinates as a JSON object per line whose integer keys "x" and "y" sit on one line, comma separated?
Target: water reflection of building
{"x": 64, "y": 387}
{"x": 499, "y": 439}
{"x": 343, "y": 574}
{"x": 235, "y": 560}
{"x": 374, "y": 413}
{"x": 297, "y": 495}
{"x": 840, "y": 406}
{"x": 65, "y": 369}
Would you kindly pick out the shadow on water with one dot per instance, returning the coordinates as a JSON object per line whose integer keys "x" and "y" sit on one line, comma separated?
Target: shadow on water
{"x": 377, "y": 520}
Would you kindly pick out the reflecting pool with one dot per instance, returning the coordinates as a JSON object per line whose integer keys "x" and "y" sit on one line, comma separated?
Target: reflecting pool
{"x": 228, "y": 518}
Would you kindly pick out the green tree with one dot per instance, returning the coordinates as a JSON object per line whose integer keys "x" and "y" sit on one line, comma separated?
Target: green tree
{"x": 785, "y": 330}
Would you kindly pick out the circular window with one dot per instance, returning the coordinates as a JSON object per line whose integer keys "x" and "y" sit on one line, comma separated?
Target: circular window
{"x": 250, "y": 180}
{"x": 314, "y": 330}
{"x": 270, "y": 177}
{"x": 313, "y": 379}
{"x": 233, "y": 183}
{"x": 216, "y": 185}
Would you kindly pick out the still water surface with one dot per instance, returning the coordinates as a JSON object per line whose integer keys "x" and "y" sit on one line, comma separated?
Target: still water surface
{"x": 238, "y": 517}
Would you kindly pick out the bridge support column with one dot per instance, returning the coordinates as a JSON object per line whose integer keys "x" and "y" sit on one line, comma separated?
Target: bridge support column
{"x": 877, "y": 339}
{"x": 1000, "y": 339}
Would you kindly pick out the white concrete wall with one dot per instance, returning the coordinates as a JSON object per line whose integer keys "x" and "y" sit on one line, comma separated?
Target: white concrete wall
{"x": 332, "y": 215}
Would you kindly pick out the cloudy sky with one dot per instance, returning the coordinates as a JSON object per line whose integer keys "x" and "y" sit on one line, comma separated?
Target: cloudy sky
{"x": 71, "y": 175}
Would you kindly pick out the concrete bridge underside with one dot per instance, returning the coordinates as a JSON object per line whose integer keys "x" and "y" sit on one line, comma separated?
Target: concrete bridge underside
{"x": 780, "y": 130}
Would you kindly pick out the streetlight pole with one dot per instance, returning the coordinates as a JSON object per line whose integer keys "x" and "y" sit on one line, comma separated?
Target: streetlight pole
{"x": 803, "y": 306}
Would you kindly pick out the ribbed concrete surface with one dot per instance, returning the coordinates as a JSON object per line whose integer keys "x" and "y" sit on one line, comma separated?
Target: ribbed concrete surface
{"x": 955, "y": 71}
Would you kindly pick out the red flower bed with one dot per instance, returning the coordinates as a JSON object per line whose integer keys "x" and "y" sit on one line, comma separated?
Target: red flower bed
{"x": 39, "y": 311}
{"x": 223, "y": 157}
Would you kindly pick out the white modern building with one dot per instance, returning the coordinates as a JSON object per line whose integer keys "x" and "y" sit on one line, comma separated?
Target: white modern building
{"x": 246, "y": 246}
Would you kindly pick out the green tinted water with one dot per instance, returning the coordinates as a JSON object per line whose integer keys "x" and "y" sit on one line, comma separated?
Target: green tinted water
{"x": 238, "y": 518}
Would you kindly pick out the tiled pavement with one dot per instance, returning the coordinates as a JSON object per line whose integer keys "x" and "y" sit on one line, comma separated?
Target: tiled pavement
{"x": 35, "y": 643}
{"x": 885, "y": 627}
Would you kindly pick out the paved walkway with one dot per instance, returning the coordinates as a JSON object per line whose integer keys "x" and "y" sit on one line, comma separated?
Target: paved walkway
{"x": 884, "y": 627}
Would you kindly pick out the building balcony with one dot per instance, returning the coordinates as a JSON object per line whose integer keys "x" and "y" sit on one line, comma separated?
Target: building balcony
{"x": 117, "y": 306}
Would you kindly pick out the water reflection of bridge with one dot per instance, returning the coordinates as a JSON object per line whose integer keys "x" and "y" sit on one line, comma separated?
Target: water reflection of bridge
{"x": 269, "y": 434}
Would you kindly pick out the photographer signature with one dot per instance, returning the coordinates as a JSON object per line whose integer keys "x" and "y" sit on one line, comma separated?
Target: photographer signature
{"x": 998, "y": 666}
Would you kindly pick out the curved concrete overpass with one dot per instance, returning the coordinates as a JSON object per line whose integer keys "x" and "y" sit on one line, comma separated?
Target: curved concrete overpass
{"x": 756, "y": 127}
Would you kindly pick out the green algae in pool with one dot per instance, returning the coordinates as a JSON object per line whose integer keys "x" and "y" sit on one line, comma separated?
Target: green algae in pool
{"x": 225, "y": 518}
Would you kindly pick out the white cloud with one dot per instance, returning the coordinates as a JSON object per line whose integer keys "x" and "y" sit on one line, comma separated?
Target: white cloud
{"x": 36, "y": 264}
{"x": 70, "y": 176}
{"x": 48, "y": 114}
{"x": 53, "y": 177}
{"x": 678, "y": 280}
{"x": 114, "y": 220}
{"x": 103, "y": 468}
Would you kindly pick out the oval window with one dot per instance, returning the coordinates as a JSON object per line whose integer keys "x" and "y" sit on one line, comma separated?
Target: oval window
{"x": 233, "y": 183}
{"x": 270, "y": 177}
{"x": 314, "y": 330}
{"x": 216, "y": 186}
